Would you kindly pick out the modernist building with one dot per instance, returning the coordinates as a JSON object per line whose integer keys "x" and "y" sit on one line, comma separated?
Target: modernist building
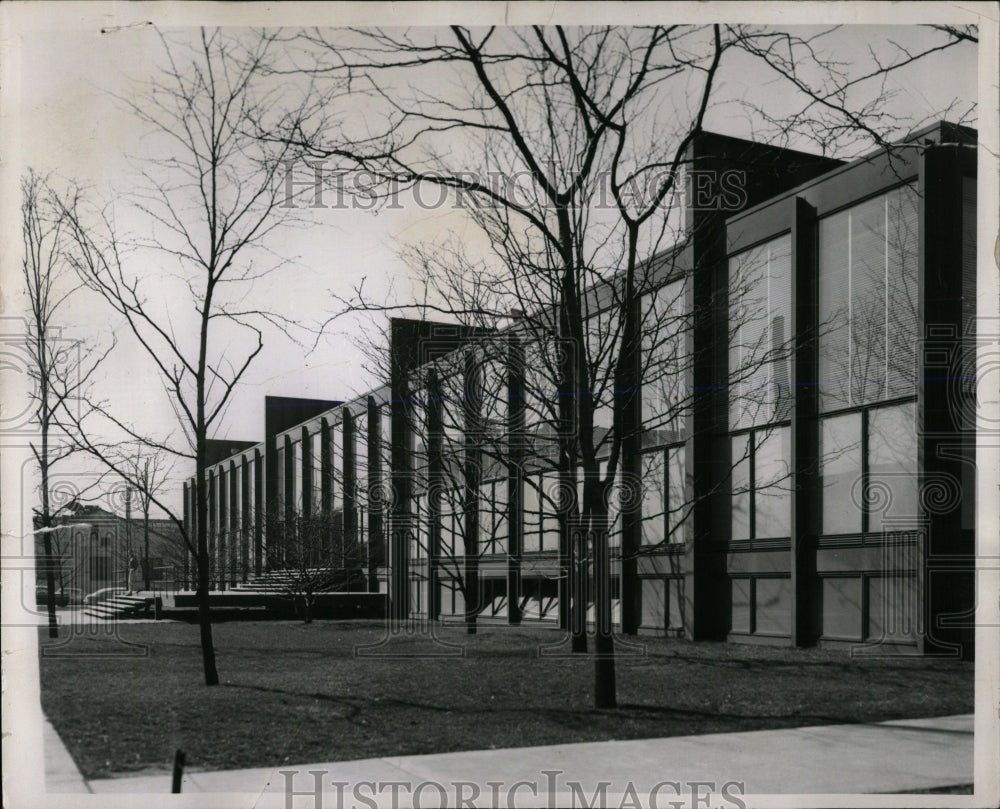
{"x": 806, "y": 445}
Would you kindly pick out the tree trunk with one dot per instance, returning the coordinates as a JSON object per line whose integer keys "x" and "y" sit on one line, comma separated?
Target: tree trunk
{"x": 204, "y": 616}
{"x": 472, "y": 597}
{"x": 604, "y": 658}
{"x": 578, "y": 590}
{"x": 50, "y": 583}
{"x": 145, "y": 541}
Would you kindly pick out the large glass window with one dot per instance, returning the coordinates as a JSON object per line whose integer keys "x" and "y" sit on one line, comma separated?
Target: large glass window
{"x": 678, "y": 506}
{"x": 297, "y": 476}
{"x": 868, "y": 301}
{"x": 281, "y": 493}
{"x": 361, "y": 472}
{"x": 654, "y": 504}
{"x": 451, "y": 531}
{"x": 840, "y": 464}
{"x": 385, "y": 437}
{"x": 251, "y": 470}
{"x": 760, "y": 287}
{"x": 316, "y": 459}
{"x": 741, "y": 490}
{"x": 550, "y": 511}
{"x": 892, "y": 468}
{"x": 772, "y": 484}
{"x": 541, "y": 512}
{"x": 493, "y": 517}
{"x": 667, "y": 364}
{"x": 870, "y": 485}
{"x": 665, "y": 505}
{"x": 541, "y": 415}
{"x": 761, "y": 503}
{"x": 532, "y": 515}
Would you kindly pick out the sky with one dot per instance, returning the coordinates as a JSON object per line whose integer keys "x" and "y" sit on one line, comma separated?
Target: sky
{"x": 64, "y": 66}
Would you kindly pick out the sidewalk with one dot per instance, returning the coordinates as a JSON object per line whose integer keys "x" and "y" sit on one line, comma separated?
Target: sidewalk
{"x": 61, "y": 773}
{"x": 897, "y": 756}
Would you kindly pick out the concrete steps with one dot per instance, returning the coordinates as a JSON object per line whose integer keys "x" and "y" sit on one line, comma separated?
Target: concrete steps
{"x": 276, "y": 582}
{"x": 119, "y": 606}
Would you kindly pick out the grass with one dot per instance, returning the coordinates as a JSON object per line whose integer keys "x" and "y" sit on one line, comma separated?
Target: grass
{"x": 292, "y": 693}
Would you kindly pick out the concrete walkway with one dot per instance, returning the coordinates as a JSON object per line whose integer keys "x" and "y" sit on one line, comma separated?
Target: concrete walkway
{"x": 61, "y": 773}
{"x": 898, "y": 756}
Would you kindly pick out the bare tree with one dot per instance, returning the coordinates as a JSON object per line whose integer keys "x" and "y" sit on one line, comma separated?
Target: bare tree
{"x": 151, "y": 471}
{"x": 60, "y": 369}
{"x": 309, "y": 556}
{"x": 556, "y": 112}
{"x": 209, "y": 202}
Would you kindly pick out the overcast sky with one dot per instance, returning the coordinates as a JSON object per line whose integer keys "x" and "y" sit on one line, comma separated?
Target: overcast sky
{"x": 61, "y": 74}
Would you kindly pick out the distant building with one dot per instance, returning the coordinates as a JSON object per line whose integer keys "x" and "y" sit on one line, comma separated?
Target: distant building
{"x": 92, "y": 547}
{"x": 807, "y": 437}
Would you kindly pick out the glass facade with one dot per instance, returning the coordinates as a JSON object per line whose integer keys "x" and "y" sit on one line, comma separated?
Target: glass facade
{"x": 493, "y": 517}
{"x": 868, "y": 264}
{"x": 840, "y": 469}
{"x": 761, "y": 500}
{"x": 772, "y": 483}
{"x": 760, "y": 288}
{"x": 665, "y": 501}
{"x": 667, "y": 358}
{"x": 892, "y": 468}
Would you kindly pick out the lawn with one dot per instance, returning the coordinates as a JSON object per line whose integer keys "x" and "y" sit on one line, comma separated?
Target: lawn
{"x": 292, "y": 693}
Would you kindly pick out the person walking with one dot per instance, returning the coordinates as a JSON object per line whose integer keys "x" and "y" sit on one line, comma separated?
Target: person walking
{"x": 133, "y": 571}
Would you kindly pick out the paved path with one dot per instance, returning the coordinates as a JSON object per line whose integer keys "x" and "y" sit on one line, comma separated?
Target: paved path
{"x": 916, "y": 754}
{"x": 61, "y": 773}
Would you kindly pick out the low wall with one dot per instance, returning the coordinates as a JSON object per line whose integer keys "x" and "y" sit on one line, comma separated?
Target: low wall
{"x": 256, "y": 606}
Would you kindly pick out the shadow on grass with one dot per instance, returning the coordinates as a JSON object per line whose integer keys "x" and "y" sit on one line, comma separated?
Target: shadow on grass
{"x": 354, "y": 708}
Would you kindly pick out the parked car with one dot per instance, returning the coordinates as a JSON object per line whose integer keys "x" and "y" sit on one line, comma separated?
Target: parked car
{"x": 102, "y": 595}
{"x": 42, "y": 597}
{"x": 74, "y": 596}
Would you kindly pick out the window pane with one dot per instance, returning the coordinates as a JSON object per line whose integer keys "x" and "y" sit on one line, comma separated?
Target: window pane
{"x": 419, "y": 549}
{"x": 901, "y": 293}
{"x": 317, "y": 463}
{"x": 773, "y": 607}
{"x": 747, "y": 323}
{"x": 772, "y": 495}
{"x": 678, "y": 523}
{"x": 868, "y": 301}
{"x": 296, "y": 477}
{"x": 740, "y": 501}
{"x": 759, "y": 319}
{"x": 532, "y": 519}
{"x": 500, "y": 516}
{"x": 385, "y": 437}
{"x": 336, "y": 466}
{"x": 282, "y": 494}
{"x": 740, "y": 605}
{"x": 361, "y": 461}
{"x": 834, "y": 283}
{"x": 665, "y": 383}
{"x": 550, "y": 511}
{"x": 653, "y": 498}
{"x": 447, "y": 543}
{"x": 779, "y": 291}
{"x": 840, "y": 464}
{"x": 892, "y": 607}
{"x": 486, "y": 518}
{"x": 654, "y": 607}
{"x": 892, "y": 468}
{"x": 868, "y": 313}
{"x": 842, "y": 608}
